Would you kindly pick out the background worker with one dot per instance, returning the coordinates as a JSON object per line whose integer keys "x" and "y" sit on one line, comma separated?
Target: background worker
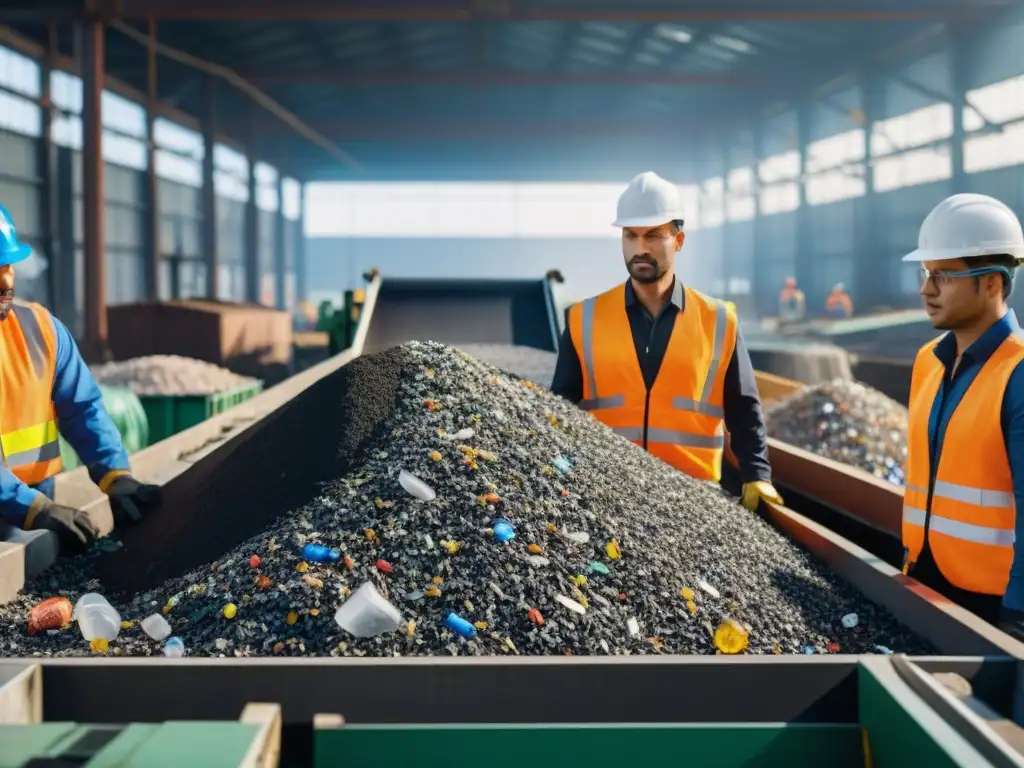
{"x": 660, "y": 363}
{"x": 838, "y": 304}
{"x": 46, "y": 386}
{"x": 965, "y": 467}
{"x": 792, "y": 304}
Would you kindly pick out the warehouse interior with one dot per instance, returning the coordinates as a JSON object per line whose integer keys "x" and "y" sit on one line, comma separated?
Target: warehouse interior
{"x": 322, "y": 259}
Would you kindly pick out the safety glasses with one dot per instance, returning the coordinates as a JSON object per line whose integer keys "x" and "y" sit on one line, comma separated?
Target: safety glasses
{"x": 943, "y": 277}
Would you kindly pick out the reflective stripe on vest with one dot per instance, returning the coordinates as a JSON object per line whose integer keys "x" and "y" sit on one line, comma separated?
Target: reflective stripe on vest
{"x": 29, "y": 444}
{"x": 972, "y": 520}
{"x": 684, "y": 407}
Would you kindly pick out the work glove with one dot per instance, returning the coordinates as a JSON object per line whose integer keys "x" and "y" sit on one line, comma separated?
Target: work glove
{"x": 130, "y": 499}
{"x": 756, "y": 492}
{"x": 75, "y": 530}
{"x": 1012, "y": 623}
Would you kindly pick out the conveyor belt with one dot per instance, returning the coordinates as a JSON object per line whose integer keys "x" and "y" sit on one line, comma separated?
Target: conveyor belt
{"x": 453, "y": 312}
{"x": 813, "y": 485}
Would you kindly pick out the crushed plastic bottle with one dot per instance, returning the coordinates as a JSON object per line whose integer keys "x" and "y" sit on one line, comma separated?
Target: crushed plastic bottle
{"x": 731, "y": 637}
{"x": 367, "y": 613}
{"x": 577, "y": 537}
{"x": 320, "y": 553}
{"x": 503, "y": 530}
{"x": 633, "y": 627}
{"x": 460, "y": 626}
{"x": 156, "y": 627}
{"x": 96, "y": 618}
{"x": 416, "y": 487}
{"x": 175, "y": 648}
{"x": 462, "y": 435}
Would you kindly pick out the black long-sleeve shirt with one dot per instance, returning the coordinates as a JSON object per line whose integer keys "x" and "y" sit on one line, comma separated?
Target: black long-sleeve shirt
{"x": 742, "y": 404}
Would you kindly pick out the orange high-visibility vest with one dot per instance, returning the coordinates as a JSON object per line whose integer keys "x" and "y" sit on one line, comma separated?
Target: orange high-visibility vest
{"x": 681, "y": 420}
{"x": 972, "y": 521}
{"x": 28, "y": 421}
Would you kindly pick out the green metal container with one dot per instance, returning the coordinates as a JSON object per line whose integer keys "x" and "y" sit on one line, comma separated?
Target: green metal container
{"x": 170, "y": 414}
{"x": 128, "y": 415}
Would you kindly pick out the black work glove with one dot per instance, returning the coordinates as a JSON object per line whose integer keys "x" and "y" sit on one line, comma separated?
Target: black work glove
{"x": 75, "y": 530}
{"x": 130, "y": 499}
{"x": 1012, "y": 623}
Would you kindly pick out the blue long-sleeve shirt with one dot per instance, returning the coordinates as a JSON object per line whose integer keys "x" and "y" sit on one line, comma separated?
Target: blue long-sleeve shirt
{"x": 744, "y": 417}
{"x": 951, "y": 393}
{"x": 83, "y": 421}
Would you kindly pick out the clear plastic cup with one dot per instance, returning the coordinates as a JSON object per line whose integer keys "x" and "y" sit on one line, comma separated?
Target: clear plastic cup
{"x": 96, "y": 618}
{"x": 156, "y": 627}
{"x": 367, "y": 613}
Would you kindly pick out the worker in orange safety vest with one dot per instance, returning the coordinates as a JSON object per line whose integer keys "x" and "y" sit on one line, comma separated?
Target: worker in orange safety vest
{"x": 46, "y": 388}
{"x": 660, "y": 363}
{"x": 838, "y": 303}
{"x": 965, "y": 468}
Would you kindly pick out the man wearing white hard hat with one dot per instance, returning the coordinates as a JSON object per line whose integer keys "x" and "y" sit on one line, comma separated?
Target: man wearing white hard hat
{"x": 965, "y": 467}
{"x": 660, "y": 363}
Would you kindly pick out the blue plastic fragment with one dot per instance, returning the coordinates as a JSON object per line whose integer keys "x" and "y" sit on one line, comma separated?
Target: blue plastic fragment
{"x": 460, "y": 626}
{"x": 883, "y": 649}
{"x": 503, "y": 530}
{"x": 808, "y": 650}
{"x": 562, "y": 464}
{"x": 319, "y": 553}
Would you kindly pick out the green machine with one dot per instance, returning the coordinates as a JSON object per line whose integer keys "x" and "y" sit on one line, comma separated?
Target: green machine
{"x": 340, "y": 323}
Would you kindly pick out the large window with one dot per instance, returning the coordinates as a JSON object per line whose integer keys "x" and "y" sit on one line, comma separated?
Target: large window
{"x": 835, "y": 169}
{"x": 910, "y": 131}
{"x": 780, "y": 182}
{"x": 1000, "y": 103}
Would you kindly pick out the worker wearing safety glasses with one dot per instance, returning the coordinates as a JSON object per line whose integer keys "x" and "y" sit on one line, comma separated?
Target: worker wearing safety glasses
{"x": 45, "y": 387}
{"x": 661, "y": 364}
{"x": 965, "y": 467}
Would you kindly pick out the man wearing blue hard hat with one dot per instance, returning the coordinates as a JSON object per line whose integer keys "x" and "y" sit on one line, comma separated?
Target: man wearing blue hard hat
{"x": 46, "y": 387}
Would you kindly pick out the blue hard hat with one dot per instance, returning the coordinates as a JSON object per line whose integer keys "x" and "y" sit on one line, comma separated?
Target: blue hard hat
{"x": 11, "y": 251}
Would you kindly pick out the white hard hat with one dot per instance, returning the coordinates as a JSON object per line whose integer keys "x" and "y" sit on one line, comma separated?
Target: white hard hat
{"x": 649, "y": 201}
{"x": 968, "y": 225}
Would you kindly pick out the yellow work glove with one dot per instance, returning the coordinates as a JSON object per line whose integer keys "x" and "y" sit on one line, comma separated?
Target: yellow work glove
{"x": 755, "y": 492}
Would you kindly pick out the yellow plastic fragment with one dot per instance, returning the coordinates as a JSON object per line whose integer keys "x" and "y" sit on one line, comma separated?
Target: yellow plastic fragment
{"x": 612, "y": 550}
{"x": 99, "y": 645}
{"x": 731, "y": 637}
{"x": 230, "y": 611}
{"x": 302, "y": 567}
{"x": 410, "y": 628}
{"x": 432, "y": 591}
{"x": 686, "y": 593}
{"x": 691, "y": 607}
{"x": 292, "y": 618}
{"x": 435, "y": 455}
{"x": 481, "y": 625}
{"x": 451, "y": 547}
{"x": 127, "y": 624}
{"x": 579, "y": 580}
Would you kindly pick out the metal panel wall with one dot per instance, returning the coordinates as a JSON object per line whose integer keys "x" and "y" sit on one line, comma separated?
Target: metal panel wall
{"x": 20, "y": 193}
{"x": 125, "y": 207}
{"x": 267, "y": 245}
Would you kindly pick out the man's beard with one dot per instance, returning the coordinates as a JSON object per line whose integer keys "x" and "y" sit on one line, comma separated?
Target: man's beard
{"x": 645, "y": 275}
{"x": 6, "y": 306}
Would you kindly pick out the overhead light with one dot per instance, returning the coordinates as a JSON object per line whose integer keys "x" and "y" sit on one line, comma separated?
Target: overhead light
{"x": 677, "y": 34}
{"x": 731, "y": 43}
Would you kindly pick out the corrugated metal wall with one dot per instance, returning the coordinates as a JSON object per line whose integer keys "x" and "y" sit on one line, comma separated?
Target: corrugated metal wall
{"x": 178, "y": 167}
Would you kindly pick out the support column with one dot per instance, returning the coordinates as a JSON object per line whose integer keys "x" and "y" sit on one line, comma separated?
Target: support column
{"x": 209, "y": 125}
{"x": 94, "y": 348}
{"x": 151, "y": 223}
{"x": 252, "y": 236}
{"x": 280, "y": 247}
{"x": 960, "y": 66}
{"x": 49, "y": 192}
{"x": 804, "y": 261}
{"x": 867, "y": 290}
{"x": 301, "y": 276}
{"x": 762, "y": 307}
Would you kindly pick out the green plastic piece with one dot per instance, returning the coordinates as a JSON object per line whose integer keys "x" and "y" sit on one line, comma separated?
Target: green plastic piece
{"x": 750, "y": 745}
{"x": 170, "y": 414}
{"x": 128, "y": 415}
